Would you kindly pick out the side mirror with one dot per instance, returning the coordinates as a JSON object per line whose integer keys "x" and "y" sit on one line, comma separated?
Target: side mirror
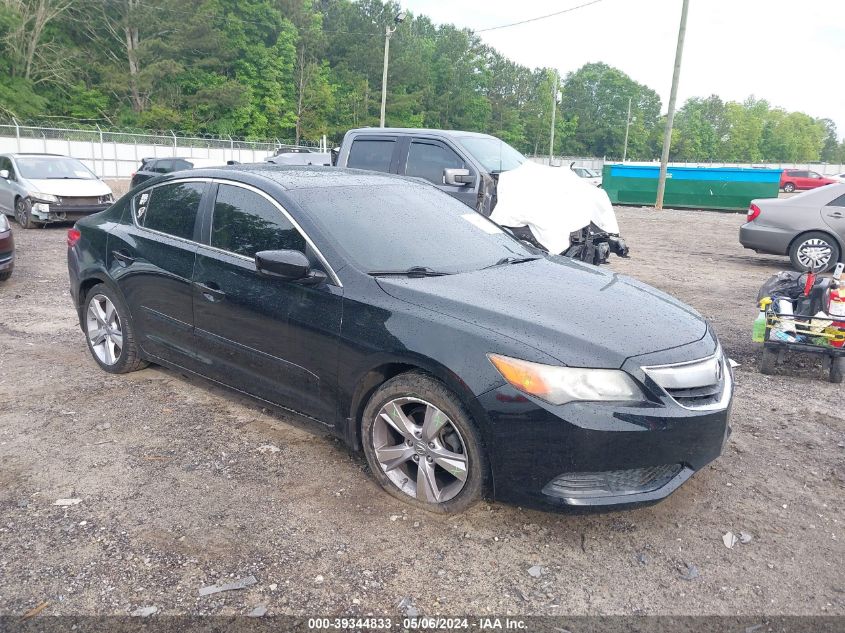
{"x": 335, "y": 152}
{"x": 4, "y": 174}
{"x": 457, "y": 177}
{"x": 288, "y": 265}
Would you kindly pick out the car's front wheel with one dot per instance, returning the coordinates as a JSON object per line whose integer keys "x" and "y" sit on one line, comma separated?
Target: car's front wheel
{"x": 23, "y": 213}
{"x": 422, "y": 445}
{"x": 815, "y": 251}
{"x": 789, "y": 187}
{"x": 109, "y": 332}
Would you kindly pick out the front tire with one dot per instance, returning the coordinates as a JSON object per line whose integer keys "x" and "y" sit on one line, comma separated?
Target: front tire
{"x": 110, "y": 333}
{"x": 814, "y": 251}
{"x": 5, "y": 276}
{"x": 422, "y": 445}
{"x": 23, "y": 213}
{"x": 768, "y": 362}
{"x": 789, "y": 187}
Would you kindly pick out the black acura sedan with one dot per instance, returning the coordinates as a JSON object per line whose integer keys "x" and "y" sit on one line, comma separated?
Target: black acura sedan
{"x": 460, "y": 360}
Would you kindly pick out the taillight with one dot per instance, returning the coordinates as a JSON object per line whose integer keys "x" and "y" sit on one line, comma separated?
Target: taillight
{"x": 73, "y": 236}
{"x": 753, "y": 212}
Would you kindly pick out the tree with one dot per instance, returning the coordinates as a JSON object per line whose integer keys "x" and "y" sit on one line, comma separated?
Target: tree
{"x": 597, "y": 95}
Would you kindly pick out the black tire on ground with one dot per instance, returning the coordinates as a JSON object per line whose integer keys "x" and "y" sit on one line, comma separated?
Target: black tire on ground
{"x": 418, "y": 384}
{"x": 5, "y": 276}
{"x": 129, "y": 358}
{"x": 23, "y": 213}
{"x": 768, "y": 361}
{"x": 789, "y": 187}
{"x": 801, "y": 240}
{"x": 837, "y": 369}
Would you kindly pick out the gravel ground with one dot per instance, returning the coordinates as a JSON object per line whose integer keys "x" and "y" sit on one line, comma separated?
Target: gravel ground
{"x": 184, "y": 485}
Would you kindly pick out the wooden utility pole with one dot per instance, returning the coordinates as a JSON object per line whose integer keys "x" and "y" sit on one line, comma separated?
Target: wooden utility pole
{"x": 670, "y": 117}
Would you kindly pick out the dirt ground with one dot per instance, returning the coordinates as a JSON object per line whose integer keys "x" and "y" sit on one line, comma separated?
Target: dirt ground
{"x": 184, "y": 485}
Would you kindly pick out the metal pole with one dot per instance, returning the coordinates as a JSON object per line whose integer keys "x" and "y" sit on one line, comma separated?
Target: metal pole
{"x": 554, "y": 109}
{"x": 175, "y": 150}
{"x": 670, "y": 117}
{"x": 627, "y": 126}
{"x": 102, "y": 152}
{"x": 17, "y": 133}
{"x": 387, "y": 33}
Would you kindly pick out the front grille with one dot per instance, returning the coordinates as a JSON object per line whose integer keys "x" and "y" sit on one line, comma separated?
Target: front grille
{"x": 611, "y": 483}
{"x": 77, "y": 201}
{"x": 701, "y": 384}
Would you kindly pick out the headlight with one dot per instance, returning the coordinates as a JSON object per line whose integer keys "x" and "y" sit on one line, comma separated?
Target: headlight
{"x": 43, "y": 197}
{"x": 106, "y": 198}
{"x": 4, "y": 222}
{"x": 559, "y": 385}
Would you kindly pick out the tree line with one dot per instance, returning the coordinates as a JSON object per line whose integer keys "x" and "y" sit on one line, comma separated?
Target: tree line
{"x": 298, "y": 69}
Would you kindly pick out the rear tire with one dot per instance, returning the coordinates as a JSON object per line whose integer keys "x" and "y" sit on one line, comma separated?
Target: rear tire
{"x": 109, "y": 332}
{"x": 814, "y": 251}
{"x": 789, "y": 187}
{"x": 5, "y": 276}
{"x": 768, "y": 362}
{"x": 422, "y": 445}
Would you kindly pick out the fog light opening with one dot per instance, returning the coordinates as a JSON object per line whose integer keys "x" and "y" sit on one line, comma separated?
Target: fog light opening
{"x": 611, "y": 483}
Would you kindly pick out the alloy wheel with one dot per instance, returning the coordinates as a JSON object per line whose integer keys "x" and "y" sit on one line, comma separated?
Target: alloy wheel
{"x": 103, "y": 329}
{"x": 22, "y": 214}
{"x": 420, "y": 450}
{"x": 814, "y": 254}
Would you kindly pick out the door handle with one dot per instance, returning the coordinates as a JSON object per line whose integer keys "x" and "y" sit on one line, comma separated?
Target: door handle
{"x": 210, "y": 291}
{"x": 123, "y": 258}
{"x": 836, "y": 214}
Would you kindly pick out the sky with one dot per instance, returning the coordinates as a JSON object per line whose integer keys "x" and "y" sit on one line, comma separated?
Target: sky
{"x": 790, "y": 53}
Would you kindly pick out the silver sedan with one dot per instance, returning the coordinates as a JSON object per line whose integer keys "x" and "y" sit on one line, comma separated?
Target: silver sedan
{"x": 809, "y": 227}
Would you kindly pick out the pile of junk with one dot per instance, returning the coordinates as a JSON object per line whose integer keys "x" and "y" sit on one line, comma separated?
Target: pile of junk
{"x": 802, "y": 312}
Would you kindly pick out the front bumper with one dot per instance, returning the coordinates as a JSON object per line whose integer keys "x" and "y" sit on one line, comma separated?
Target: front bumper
{"x": 765, "y": 239}
{"x": 44, "y": 212}
{"x": 549, "y": 456}
{"x": 7, "y": 252}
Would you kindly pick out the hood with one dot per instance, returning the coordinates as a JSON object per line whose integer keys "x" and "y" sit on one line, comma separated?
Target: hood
{"x": 553, "y": 202}
{"x": 579, "y": 314}
{"x": 69, "y": 187}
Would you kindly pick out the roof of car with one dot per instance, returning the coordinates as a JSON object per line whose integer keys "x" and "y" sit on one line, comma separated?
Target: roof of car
{"x": 418, "y": 130}
{"x": 291, "y": 177}
{"x": 35, "y": 154}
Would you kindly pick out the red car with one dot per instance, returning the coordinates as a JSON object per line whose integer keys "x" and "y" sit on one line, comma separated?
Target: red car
{"x": 792, "y": 179}
{"x": 7, "y": 249}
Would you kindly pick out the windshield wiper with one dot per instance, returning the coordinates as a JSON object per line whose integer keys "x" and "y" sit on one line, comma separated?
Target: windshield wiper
{"x": 413, "y": 271}
{"x": 512, "y": 260}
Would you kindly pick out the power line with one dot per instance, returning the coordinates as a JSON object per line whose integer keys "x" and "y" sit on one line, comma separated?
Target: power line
{"x": 541, "y": 17}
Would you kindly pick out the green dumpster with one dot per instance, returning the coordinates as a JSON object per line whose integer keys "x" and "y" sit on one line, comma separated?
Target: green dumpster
{"x": 727, "y": 188}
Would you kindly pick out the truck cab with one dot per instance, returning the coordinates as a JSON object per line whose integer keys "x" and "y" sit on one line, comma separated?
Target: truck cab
{"x": 463, "y": 164}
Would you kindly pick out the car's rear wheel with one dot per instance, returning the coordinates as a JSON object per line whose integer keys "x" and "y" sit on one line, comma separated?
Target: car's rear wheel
{"x": 109, "y": 332}
{"x": 23, "y": 213}
{"x": 815, "y": 251}
{"x": 422, "y": 445}
{"x": 5, "y": 276}
{"x": 789, "y": 187}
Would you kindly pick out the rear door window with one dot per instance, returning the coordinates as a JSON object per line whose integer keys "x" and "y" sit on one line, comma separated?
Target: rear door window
{"x": 429, "y": 159}
{"x": 837, "y": 202}
{"x": 246, "y": 223}
{"x": 372, "y": 154}
{"x": 170, "y": 209}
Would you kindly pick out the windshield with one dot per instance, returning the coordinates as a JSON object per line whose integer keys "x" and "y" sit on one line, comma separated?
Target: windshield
{"x": 403, "y": 226}
{"x": 48, "y": 167}
{"x": 495, "y": 155}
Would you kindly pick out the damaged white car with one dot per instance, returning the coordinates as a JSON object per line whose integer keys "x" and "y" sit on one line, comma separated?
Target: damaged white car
{"x": 38, "y": 189}
{"x": 549, "y": 207}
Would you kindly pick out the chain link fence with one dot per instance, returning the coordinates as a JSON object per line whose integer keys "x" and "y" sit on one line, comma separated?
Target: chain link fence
{"x": 825, "y": 169}
{"x": 113, "y": 153}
